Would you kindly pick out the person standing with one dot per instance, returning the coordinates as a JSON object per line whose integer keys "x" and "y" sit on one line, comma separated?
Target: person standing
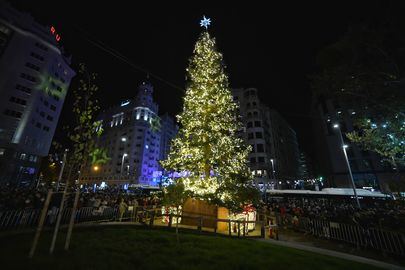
{"x": 122, "y": 208}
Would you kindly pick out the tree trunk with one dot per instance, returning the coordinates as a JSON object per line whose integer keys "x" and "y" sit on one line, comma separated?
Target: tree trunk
{"x": 177, "y": 225}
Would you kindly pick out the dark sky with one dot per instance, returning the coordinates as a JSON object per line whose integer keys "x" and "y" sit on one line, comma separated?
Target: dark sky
{"x": 269, "y": 46}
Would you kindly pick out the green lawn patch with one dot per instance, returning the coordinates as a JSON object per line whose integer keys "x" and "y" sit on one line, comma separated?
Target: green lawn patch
{"x": 127, "y": 247}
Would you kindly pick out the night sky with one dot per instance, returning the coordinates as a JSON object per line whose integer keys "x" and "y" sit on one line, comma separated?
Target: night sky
{"x": 271, "y": 47}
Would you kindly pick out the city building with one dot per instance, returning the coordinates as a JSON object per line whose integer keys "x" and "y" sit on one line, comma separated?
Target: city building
{"x": 135, "y": 138}
{"x": 305, "y": 170}
{"x": 169, "y": 130}
{"x": 331, "y": 119}
{"x": 35, "y": 77}
{"x": 274, "y": 156}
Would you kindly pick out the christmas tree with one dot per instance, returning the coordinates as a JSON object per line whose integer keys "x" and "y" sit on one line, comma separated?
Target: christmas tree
{"x": 212, "y": 159}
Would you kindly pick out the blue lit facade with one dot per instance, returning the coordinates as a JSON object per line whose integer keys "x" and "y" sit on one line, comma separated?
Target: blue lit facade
{"x": 132, "y": 141}
{"x": 34, "y": 78}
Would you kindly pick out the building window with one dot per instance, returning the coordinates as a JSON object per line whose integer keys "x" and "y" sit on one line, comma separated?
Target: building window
{"x": 50, "y": 118}
{"x": 2, "y": 151}
{"x": 261, "y": 160}
{"x": 32, "y": 66}
{"x": 23, "y": 89}
{"x": 259, "y": 135}
{"x": 258, "y": 124}
{"x": 13, "y": 113}
{"x": 250, "y": 124}
{"x": 250, "y": 136}
{"x": 38, "y": 125}
{"x": 41, "y": 46}
{"x": 28, "y": 77}
{"x": 37, "y": 56}
{"x": 53, "y": 108}
{"x": 260, "y": 148}
{"x": 42, "y": 114}
{"x": 253, "y": 148}
{"x": 18, "y": 101}
{"x": 252, "y": 160}
{"x": 46, "y": 128}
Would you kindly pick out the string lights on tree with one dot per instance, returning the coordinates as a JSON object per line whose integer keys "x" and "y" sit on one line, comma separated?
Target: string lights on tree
{"x": 207, "y": 147}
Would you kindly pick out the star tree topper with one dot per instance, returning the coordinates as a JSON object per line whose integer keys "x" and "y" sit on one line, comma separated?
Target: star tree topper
{"x": 205, "y": 22}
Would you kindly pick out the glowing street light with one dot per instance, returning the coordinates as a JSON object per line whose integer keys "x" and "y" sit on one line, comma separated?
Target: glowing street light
{"x": 272, "y": 167}
{"x": 96, "y": 168}
{"x": 344, "y": 146}
{"x": 122, "y": 162}
{"x": 123, "y": 139}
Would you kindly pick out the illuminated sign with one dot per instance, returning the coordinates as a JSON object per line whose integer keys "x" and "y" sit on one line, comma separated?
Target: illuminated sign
{"x": 54, "y": 33}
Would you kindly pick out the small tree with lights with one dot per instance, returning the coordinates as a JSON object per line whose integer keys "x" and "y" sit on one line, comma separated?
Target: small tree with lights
{"x": 174, "y": 196}
{"x": 207, "y": 151}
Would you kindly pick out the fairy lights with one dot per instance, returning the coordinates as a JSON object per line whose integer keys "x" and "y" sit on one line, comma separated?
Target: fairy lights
{"x": 207, "y": 146}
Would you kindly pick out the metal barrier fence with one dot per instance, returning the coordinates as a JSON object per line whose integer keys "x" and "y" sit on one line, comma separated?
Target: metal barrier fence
{"x": 29, "y": 218}
{"x": 378, "y": 239}
{"x": 231, "y": 227}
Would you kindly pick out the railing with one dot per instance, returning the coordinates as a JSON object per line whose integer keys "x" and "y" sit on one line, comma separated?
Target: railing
{"x": 237, "y": 227}
{"x": 378, "y": 239}
{"x": 29, "y": 218}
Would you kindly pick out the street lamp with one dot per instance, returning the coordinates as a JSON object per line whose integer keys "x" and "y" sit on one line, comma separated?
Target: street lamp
{"x": 344, "y": 146}
{"x": 123, "y": 139}
{"x": 272, "y": 167}
{"x": 122, "y": 162}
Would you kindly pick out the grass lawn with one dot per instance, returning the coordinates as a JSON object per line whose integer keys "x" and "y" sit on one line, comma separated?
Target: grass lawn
{"x": 127, "y": 247}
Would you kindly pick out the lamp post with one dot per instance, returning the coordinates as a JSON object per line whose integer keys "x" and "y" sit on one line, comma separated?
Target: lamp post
{"x": 272, "y": 169}
{"x": 344, "y": 146}
{"x": 122, "y": 162}
{"x": 61, "y": 170}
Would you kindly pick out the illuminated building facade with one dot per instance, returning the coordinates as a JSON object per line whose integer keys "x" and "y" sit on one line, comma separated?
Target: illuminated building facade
{"x": 132, "y": 134}
{"x": 274, "y": 157}
{"x": 368, "y": 169}
{"x": 169, "y": 130}
{"x": 35, "y": 77}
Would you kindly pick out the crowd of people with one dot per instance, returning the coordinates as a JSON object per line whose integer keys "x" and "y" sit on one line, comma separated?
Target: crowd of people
{"x": 12, "y": 198}
{"x": 21, "y": 198}
{"x": 374, "y": 213}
